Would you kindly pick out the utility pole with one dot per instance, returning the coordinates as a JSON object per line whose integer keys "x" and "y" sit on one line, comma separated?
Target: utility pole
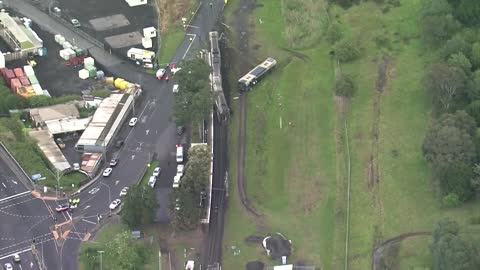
{"x": 101, "y": 259}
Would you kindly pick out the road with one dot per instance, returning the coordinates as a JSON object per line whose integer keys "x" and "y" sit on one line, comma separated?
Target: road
{"x": 154, "y": 134}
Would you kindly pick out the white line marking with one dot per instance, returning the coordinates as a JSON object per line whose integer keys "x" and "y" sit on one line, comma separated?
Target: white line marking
{"x": 86, "y": 207}
{"x": 133, "y": 156}
{"x": 88, "y": 221}
{"x": 10, "y": 255}
{"x": 93, "y": 190}
{"x": 116, "y": 182}
{"x": 130, "y": 132}
{"x": 14, "y": 196}
{"x": 147, "y": 131}
{"x": 15, "y": 182}
{"x": 4, "y": 185}
{"x": 189, "y": 45}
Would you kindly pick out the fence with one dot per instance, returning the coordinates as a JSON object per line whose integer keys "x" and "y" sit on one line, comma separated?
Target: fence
{"x": 80, "y": 32}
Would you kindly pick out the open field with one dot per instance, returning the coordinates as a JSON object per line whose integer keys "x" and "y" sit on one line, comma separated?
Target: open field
{"x": 296, "y": 174}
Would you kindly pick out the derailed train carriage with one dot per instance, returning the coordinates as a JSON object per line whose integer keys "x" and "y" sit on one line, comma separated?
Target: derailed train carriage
{"x": 221, "y": 105}
{"x": 251, "y": 78}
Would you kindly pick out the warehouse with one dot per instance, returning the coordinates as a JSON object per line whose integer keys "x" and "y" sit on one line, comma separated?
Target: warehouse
{"x": 19, "y": 36}
{"x": 105, "y": 123}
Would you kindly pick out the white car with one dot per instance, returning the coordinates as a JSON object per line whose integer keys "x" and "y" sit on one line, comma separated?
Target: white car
{"x": 160, "y": 73}
{"x": 124, "y": 191}
{"x": 179, "y": 155}
{"x": 157, "y": 171}
{"x": 152, "y": 181}
{"x": 180, "y": 168}
{"x": 175, "y": 88}
{"x": 115, "y": 204}
{"x": 8, "y": 266}
{"x": 176, "y": 181}
{"x": 16, "y": 258}
{"x": 133, "y": 121}
{"x": 107, "y": 172}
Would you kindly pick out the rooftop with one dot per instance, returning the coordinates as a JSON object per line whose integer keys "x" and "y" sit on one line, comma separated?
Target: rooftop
{"x": 60, "y": 126}
{"x": 50, "y": 149}
{"x": 22, "y": 34}
{"x": 55, "y": 112}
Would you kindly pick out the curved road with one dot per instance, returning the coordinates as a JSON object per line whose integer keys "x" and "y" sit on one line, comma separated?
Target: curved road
{"x": 154, "y": 134}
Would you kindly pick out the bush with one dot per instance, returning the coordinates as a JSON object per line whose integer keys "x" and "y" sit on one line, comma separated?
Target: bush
{"x": 333, "y": 33}
{"x": 346, "y": 50}
{"x": 344, "y": 86}
{"x": 451, "y": 200}
{"x": 474, "y": 220}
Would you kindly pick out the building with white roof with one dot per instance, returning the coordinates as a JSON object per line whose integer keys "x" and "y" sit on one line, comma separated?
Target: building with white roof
{"x": 16, "y": 34}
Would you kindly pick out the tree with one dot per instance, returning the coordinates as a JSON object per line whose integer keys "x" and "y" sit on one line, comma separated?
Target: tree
{"x": 139, "y": 206}
{"x": 446, "y": 86}
{"x": 194, "y": 100}
{"x": 461, "y": 61}
{"x": 475, "y": 181}
{"x": 123, "y": 253}
{"x": 344, "y": 86}
{"x": 333, "y": 33}
{"x": 455, "y": 45}
{"x": 449, "y": 140}
{"x": 473, "y": 86}
{"x": 475, "y": 57}
{"x": 435, "y": 29}
{"x": 468, "y": 12}
{"x": 189, "y": 213}
{"x": 473, "y": 109}
{"x": 346, "y": 50}
{"x": 455, "y": 179}
{"x": 89, "y": 258}
{"x": 449, "y": 250}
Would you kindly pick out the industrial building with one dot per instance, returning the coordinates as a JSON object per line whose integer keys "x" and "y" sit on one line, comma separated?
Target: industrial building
{"x": 105, "y": 123}
{"x": 134, "y": 3}
{"x": 22, "y": 40}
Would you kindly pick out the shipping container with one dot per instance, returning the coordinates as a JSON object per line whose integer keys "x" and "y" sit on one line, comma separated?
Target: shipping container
{"x": 9, "y": 75}
{"x": 28, "y": 70}
{"x": 38, "y": 89}
{"x": 24, "y": 80}
{"x": 33, "y": 79}
{"x": 18, "y": 72}
{"x": 15, "y": 84}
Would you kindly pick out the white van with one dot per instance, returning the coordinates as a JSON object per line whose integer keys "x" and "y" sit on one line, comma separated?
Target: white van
{"x": 176, "y": 181}
{"x": 179, "y": 154}
{"x": 152, "y": 181}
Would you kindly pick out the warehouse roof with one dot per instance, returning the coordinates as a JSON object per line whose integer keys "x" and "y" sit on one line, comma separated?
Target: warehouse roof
{"x": 23, "y": 35}
{"x": 55, "y": 112}
{"x": 60, "y": 126}
{"x": 50, "y": 149}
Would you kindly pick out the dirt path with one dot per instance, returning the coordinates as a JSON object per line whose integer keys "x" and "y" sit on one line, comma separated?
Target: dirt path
{"x": 242, "y": 31}
{"x": 379, "y": 251}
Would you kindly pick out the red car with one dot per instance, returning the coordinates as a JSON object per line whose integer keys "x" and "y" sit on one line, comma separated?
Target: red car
{"x": 62, "y": 207}
{"x": 167, "y": 78}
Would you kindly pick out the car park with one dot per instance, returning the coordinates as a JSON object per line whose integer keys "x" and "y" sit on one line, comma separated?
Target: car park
{"x": 157, "y": 171}
{"x": 133, "y": 121}
{"x": 115, "y": 204}
{"x": 107, "y": 172}
{"x": 16, "y": 258}
{"x": 113, "y": 162}
{"x": 180, "y": 168}
{"x": 62, "y": 207}
{"x": 152, "y": 181}
{"x": 8, "y": 266}
{"x": 124, "y": 191}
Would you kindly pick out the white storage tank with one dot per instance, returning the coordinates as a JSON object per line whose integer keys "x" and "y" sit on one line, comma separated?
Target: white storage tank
{"x": 83, "y": 74}
{"x": 147, "y": 42}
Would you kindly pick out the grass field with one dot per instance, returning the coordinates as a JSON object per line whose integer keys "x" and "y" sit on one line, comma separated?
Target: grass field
{"x": 169, "y": 44}
{"x": 148, "y": 173}
{"x": 295, "y": 173}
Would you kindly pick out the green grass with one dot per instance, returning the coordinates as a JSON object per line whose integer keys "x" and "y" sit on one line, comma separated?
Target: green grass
{"x": 169, "y": 44}
{"x": 148, "y": 172}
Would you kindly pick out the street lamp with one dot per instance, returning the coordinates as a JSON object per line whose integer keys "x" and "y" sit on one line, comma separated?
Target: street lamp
{"x": 101, "y": 259}
{"x": 58, "y": 174}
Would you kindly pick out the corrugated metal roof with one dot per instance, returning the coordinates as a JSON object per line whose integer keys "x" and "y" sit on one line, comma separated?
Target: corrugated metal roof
{"x": 50, "y": 149}
{"x": 67, "y": 125}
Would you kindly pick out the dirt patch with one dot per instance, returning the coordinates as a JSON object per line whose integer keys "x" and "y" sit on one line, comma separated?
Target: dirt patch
{"x": 171, "y": 12}
{"x": 379, "y": 252}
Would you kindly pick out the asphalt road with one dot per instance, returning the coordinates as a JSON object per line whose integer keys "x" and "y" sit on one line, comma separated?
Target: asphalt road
{"x": 154, "y": 134}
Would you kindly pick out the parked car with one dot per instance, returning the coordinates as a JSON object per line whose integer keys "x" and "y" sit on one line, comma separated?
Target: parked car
{"x": 8, "y": 266}
{"x": 113, "y": 162}
{"x": 152, "y": 181}
{"x": 75, "y": 22}
{"x": 175, "y": 88}
{"x": 176, "y": 181}
{"x": 124, "y": 191}
{"x": 179, "y": 155}
{"x": 119, "y": 143}
{"x": 180, "y": 130}
{"x": 62, "y": 207}
{"x": 107, "y": 172}
{"x": 133, "y": 121}
{"x": 115, "y": 204}
{"x": 157, "y": 171}
{"x": 160, "y": 73}
{"x": 76, "y": 166}
{"x": 180, "y": 168}
{"x": 16, "y": 258}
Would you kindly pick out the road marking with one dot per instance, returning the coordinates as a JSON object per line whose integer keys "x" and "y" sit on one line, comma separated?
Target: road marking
{"x": 14, "y": 196}
{"x": 65, "y": 234}
{"x": 116, "y": 182}
{"x": 15, "y": 182}
{"x": 4, "y": 185}
{"x": 31, "y": 264}
{"x": 147, "y": 131}
{"x": 16, "y": 252}
{"x": 20, "y": 266}
{"x": 133, "y": 156}
{"x": 189, "y": 45}
{"x": 86, "y": 207}
{"x": 93, "y": 190}
{"x": 88, "y": 221}
{"x": 130, "y": 132}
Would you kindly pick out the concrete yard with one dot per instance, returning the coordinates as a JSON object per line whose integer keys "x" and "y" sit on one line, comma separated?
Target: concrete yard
{"x": 109, "y": 22}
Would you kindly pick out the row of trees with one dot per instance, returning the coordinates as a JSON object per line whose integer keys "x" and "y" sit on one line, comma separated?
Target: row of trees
{"x": 192, "y": 186}
{"x": 139, "y": 206}
{"x": 453, "y": 83}
{"x": 194, "y": 100}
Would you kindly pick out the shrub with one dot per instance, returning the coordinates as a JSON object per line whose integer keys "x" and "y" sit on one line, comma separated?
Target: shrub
{"x": 346, "y": 50}
{"x": 451, "y": 200}
{"x": 344, "y": 86}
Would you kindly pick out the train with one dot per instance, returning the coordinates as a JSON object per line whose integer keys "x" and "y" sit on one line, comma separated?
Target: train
{"x": 251, "y": 78}
{"x": 221, "y": 105}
